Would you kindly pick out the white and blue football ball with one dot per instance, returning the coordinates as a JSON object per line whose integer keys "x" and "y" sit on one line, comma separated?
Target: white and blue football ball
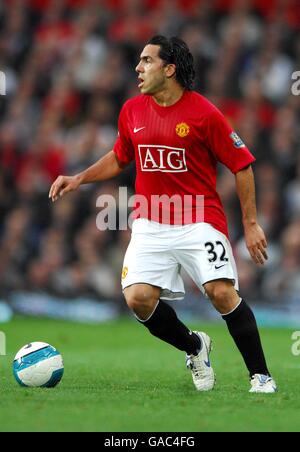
{"x": 38, "y": 365}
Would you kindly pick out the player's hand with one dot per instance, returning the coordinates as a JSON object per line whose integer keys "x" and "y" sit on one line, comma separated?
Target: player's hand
{"x": 256, "y": 243}
{"x": 63, "y": 185}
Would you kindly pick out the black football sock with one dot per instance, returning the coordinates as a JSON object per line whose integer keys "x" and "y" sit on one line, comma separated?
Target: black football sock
{"x": 164, "y": 324}
{"x": 242, "y": 326}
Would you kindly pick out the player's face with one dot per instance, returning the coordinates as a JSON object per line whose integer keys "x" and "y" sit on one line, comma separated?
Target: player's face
{"x": 151, "y": 70}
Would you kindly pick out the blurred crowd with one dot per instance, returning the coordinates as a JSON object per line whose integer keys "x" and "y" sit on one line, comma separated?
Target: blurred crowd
{"x": 69, "y": 67}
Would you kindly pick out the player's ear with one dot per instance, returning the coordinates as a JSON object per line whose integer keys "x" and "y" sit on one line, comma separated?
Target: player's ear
{"x": 170, "y": 70}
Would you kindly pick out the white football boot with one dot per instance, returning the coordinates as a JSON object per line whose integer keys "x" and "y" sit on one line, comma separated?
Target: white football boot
{"x": 263, "y": 384}
{"x": 200, "y": 366}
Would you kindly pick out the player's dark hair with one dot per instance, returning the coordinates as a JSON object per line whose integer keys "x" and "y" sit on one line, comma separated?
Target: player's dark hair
{"x": 175, "y": 51}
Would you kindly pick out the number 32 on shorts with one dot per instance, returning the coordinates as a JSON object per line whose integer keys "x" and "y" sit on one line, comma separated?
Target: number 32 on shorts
{"x": 216, "y": 251}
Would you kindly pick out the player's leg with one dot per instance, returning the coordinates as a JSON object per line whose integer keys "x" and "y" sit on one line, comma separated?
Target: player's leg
{"x": 160, "y": 318}
{"x": 151, "y": 274}
{"x": 242, "y": 326}
{"x": 211, "y": 264}
{"x": 241, "y": 323}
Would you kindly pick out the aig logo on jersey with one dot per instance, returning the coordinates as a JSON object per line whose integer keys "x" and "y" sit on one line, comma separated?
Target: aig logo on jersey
{"x": 237, "y": 142}
{"x": 162, "y": 158}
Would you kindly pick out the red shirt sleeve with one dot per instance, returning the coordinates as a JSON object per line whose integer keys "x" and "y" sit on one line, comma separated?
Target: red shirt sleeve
{"x": 226, "y": 145}
{"x": 123, "y": 147}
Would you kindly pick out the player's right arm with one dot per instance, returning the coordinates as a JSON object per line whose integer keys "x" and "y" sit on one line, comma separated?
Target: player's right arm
{"x": 106, "y": 168}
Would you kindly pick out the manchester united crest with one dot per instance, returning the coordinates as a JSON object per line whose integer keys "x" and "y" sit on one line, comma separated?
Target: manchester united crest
{"x": 182, "y": 129}
{"x": 124, "y": 272}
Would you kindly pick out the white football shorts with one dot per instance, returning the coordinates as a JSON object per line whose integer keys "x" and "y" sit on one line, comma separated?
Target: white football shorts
{"x": 157, "y": 252}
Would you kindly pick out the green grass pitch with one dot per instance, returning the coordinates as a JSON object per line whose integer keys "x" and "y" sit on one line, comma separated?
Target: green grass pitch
{"x": 118, "y": 378}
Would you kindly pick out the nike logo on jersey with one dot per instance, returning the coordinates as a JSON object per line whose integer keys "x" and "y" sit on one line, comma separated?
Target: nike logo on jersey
{"x": 137, "y": 129}
{"x": 219, "y": 266}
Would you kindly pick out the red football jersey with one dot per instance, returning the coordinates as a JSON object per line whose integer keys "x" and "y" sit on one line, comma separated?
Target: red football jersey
{"x": 176, "y": 150}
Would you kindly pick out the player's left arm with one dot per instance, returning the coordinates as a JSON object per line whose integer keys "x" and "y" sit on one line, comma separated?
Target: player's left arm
{"x": 254, "y": 235}
{"x": 229, "y": 149}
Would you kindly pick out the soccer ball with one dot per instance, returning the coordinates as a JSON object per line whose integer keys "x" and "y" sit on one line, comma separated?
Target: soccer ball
{"x": 38, "y": 365}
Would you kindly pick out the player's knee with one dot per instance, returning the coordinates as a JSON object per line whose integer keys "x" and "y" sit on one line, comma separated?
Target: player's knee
{"x": 140, "y": 296}
{"x": 222, "y": 294}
